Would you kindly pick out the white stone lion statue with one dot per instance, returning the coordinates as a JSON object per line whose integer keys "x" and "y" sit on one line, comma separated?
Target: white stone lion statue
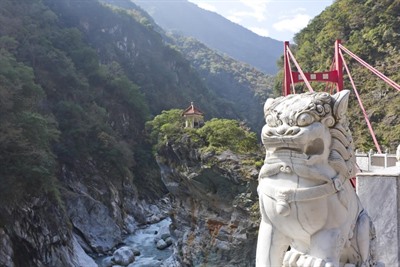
{"x": 311, "y": 215}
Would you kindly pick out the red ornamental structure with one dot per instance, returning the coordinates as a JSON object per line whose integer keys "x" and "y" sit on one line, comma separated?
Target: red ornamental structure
{"x": 333, "y": 76}
{"x": 292, "y": 77}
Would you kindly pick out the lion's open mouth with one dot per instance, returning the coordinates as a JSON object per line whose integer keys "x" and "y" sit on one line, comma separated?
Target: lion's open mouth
{"x": 305, "y": 151}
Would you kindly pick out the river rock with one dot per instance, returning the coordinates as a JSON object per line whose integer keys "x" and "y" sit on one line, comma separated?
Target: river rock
{"x": 107, "y": 262}
{"x": 161, "y": 244}
{"x": 164, "y": 242}
{"x": 124, "y": 256}
{"x": 162, "y": 234}
{"x": 169, "y": 241}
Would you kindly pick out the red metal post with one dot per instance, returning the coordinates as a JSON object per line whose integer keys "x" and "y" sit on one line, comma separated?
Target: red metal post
{"x": 338, "y": 67}
{"x": 286, "y": 78}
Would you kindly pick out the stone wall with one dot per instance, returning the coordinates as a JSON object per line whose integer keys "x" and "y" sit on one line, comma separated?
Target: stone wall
{"x": 379, "y": 192}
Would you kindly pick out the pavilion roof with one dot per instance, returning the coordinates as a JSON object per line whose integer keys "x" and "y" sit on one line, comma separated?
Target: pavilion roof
{"x": 192, "y": 110}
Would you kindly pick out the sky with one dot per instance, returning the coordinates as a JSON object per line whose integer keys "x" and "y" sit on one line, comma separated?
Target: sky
{"x": 278, "y": 19}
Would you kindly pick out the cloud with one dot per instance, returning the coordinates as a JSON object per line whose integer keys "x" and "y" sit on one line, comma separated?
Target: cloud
{"x": 258, "y": 9}
{"x": 206, "y": 6}
{"x": 235, "y": 19}
{"x": 260, "y": 31}
{"x": 243, "y": 15}
{"x": 293, "y": 24}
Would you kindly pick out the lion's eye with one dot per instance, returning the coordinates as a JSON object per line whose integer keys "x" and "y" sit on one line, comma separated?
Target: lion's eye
{"x": 271, "y": 121}
{"x": 304, "y": 119}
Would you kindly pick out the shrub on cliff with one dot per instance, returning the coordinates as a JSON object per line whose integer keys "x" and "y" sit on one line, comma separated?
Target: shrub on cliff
{"x": 222, "y": 134}
{"x": 166, "y": 127}
{"x": 216, "y": 134}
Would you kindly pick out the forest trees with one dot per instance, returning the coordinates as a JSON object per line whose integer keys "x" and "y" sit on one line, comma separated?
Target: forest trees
{"x": 26, "y": 134}
{"x": 59, "y": 105}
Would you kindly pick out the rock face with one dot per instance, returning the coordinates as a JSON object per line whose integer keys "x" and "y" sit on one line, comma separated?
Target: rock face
{"x": 102, "y": 210}
{"x": 94, "y": 215}
{"x": 35, "y": 238}
{"x": 91, "y": 218}
{"x": 6, "y": 252}
{"x": 213, "y": 197}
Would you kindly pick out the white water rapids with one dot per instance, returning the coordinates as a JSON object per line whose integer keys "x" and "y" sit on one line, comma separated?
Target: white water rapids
{"x": 143, "y": 240}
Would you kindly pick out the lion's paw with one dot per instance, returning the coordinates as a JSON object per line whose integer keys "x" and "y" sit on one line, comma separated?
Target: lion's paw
{"x": 297, "y": 259}
{"x": 291, "y": 257}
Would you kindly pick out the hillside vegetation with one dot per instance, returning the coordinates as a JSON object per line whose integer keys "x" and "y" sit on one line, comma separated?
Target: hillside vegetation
{"x": 371, "y": 29}
{"x": 78, "y": 81}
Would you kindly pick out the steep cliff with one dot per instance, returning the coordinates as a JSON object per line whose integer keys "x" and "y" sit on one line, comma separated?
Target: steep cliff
{"x": 214, "y": 204}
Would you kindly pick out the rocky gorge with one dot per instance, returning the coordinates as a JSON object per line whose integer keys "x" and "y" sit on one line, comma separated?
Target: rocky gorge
{"x": 79, "y": 183}
{"x": 209, "y": 216}
{"x": 94, "y": 219}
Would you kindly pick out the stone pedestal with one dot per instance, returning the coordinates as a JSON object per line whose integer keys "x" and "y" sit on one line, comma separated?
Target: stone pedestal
{"x": 379, "y": 193}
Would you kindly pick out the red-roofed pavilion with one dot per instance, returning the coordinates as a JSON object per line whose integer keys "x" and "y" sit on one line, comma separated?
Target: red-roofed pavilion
{"x": 193, "y": 117}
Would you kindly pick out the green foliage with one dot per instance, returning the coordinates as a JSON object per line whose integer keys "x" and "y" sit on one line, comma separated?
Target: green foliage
{"x": 216, "y": 135}
{"x": 58, "y": 101}
{"x": 253, "y": 162}
{"x": 125, "y": 90}
{"x": 27, "y": 162}
{"x": 223, "y": 134}
{"x": 168, "y": 126}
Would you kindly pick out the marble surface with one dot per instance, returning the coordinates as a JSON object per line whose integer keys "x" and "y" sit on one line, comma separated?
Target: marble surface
{"x": 306, "y": 199}
{"x": 379, "y": 194}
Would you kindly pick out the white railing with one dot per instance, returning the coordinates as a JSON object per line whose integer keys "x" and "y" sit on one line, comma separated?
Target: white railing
{"x": 371, "y": 160}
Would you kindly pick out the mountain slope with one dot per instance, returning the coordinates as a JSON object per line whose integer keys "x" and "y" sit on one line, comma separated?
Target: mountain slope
{"x": 216, "y": 32}
{"x": 240, "y": 88}
{"x": 78, "y": 81}
{"x": 230, "y": 79}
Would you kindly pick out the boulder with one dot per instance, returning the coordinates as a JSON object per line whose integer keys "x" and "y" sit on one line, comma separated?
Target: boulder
{"x": 107, "y": 262}
{"x": 124, "y": 256}
{"x": 169, "y": 241}
{"x": 161, "y": 244}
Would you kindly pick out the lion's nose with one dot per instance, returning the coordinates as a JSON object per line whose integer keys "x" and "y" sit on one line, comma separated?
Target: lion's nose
{"x": 287, "y": 130}
{"x": 281, "y": 129}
